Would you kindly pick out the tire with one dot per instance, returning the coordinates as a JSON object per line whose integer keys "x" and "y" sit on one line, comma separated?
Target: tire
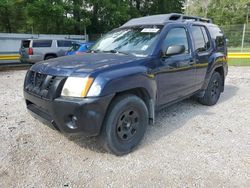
{"x": 124, "y": 125}
{"x": 213, "y": 91}
{"x": 49, "y": 57}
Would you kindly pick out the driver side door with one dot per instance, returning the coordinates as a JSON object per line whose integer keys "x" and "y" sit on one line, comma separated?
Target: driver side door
{"x": 176, "y": 73}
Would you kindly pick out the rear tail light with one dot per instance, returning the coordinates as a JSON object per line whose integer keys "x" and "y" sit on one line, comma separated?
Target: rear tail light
{"x": 30, "y": 51}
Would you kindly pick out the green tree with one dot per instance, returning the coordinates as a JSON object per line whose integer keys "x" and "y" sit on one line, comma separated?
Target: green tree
{"x": 46, "y": 16}
{"x": 222, "y": 12}
{"x": 226, "y": 12}
{"x": 107, "y": 14}
{"x": 12, "y": 15}
{"x": 166, "y": 6}
{"x": 73, "y": 16}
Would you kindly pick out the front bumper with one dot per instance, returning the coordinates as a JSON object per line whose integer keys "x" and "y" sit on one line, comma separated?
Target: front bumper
{"x": 70, "y": 115}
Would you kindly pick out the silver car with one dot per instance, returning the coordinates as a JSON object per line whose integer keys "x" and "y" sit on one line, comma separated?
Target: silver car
{"x": 35, "y": 50}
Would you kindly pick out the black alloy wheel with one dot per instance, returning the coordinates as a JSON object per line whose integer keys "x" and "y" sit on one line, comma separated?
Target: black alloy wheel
{"x": 124, "y": 125}
{"x": 213, "y": 91}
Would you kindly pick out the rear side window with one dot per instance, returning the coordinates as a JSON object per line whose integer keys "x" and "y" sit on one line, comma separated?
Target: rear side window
{"x": 42, "y": 43}
{"x": 176, "y": 36}
{"x": 207, "y": 41}
{"x": 218, "y": 36}
{"x": 201, "y": 40}
{"x": 64, "y": 43}
{"x": 26, "y": 43}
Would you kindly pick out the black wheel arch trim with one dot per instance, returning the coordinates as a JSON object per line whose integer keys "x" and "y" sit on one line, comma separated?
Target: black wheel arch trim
{"x": 211, "y": 69}
{"x": 130, "y": 81}
{"x": 50, "y": 54}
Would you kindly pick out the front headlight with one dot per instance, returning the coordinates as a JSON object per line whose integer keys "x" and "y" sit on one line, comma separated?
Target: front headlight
{"x": 77, "y": 86}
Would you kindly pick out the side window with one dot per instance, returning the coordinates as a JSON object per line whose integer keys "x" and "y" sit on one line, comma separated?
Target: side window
{"x": 220, "y": 41}
{"x": 64, "y": 43}
{"x": 217, "y": 34}
{"x": 176, "y": 36}
{"x": 207, "y": 41}
{"x": 25, "y": 43}
{"x": 199, "y": 39}
{"x": 42, "y": 43}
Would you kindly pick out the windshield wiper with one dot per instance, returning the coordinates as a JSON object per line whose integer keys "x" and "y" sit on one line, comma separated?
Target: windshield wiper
{"x": 94, "y": 51}
{"x": 116, "y": 52}
{"x": 109, "y": 51}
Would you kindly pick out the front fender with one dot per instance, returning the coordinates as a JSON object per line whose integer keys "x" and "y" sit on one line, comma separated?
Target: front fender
{"x": 119, "y": 80}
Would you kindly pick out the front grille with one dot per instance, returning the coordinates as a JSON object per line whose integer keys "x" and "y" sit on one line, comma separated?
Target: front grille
{"x": 42, "y": 85}
{"x": 50, "y": 82}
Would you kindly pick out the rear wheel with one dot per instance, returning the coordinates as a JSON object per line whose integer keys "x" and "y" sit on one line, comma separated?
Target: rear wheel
{"x": 124, "y": 125}
{"x": 213, "y": 91}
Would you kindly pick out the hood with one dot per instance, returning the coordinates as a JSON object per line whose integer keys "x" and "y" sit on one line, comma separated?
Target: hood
{"x": 82, "y": 64}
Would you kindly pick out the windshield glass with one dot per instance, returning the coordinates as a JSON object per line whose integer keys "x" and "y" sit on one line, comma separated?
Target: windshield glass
{"x": 136, "y": 41}
{"x": 74, "y": 47}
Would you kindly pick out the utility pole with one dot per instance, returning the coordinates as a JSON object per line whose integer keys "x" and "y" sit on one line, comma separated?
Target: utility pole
{"x": 206, "y": 8}
{"x": 243, "y": 38}
{"x": 187, "y": 5}
{"x": 85, "y": 33}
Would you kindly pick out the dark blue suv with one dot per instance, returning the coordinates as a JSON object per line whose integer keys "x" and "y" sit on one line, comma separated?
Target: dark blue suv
{"x": 113, "y": 90}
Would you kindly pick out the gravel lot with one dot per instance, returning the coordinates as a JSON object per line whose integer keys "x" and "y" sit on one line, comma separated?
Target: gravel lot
{"x": 190, "y": 145}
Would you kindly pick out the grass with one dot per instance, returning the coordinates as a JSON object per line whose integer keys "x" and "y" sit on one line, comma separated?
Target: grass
{"x": 239, "y": 62}
{"x": 238, "y": 49}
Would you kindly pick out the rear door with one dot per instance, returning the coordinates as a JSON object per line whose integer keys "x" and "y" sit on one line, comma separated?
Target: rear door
{"x": 202, "y": 52}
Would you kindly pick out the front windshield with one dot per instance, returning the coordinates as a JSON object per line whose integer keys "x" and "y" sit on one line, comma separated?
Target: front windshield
{"x": 136, "y": 40}
{"x": 74, "y": 47}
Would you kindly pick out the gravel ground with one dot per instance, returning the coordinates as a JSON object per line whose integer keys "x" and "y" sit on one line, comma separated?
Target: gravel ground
{"x": 190, "y": 145}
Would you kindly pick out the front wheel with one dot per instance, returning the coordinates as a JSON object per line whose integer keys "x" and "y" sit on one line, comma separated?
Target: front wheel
{"x": 213, "y": 91}
{"x": 124, "y": 125}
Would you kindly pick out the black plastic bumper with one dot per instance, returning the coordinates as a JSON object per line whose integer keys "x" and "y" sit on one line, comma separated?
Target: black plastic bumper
{"x": 70, "y": 115}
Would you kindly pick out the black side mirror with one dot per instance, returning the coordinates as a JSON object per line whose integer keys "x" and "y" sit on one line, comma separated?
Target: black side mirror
{"x": 175, "y": 49}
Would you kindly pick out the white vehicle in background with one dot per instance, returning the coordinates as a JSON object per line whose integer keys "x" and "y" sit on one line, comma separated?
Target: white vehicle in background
{"x": 35, "y": 50}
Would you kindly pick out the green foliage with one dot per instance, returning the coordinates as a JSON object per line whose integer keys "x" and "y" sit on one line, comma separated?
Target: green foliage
{"x": 226, "y": 12}
{"x": 10, "y": 12}
{"x": 230, "y": 15}
{"x": 239, "y": 62}
{"x": 223, "y": 12}
{"x": 166, "y": 6}
{"x": 100, "y": 16}
{"x": 73, "y": 16}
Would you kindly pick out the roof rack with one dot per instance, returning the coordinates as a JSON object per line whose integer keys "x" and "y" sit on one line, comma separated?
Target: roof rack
{"x": 162, "y": 19}
{"x": 175, "y": 16}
